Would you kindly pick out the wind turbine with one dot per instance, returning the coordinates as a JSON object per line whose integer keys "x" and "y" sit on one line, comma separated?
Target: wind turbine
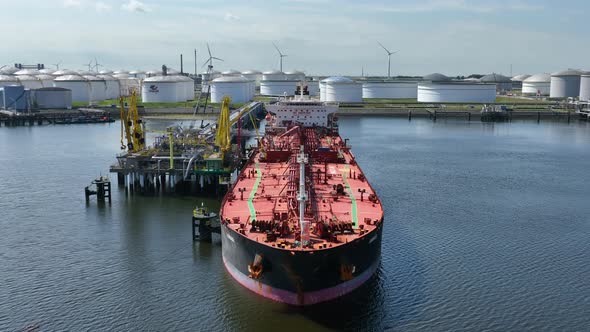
{"x": 97, "y": 65}
{"x": 388, "y": 59}
{"x": 89, "y": 64}
{"x": 57, "y": 65}
{"x": 211, "y": 58}
{"x": 281, "y": 55}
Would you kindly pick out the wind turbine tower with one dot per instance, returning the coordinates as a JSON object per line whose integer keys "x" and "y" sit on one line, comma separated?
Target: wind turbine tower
{"x": 281, "y": 56}
{"x": 388, "y": 59}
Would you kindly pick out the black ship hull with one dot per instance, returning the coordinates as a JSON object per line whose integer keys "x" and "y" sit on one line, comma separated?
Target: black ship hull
{"x": 302, "y": 277}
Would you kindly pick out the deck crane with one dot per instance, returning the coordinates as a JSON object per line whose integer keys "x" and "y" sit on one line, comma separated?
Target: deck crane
{"x": 222, "y": 137}
{"x": 131, "y": 126}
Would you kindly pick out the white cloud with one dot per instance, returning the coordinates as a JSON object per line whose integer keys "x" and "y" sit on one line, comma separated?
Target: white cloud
{"x": 231, "y": 17}
{"x": 102, "y": 7}
{"x": 136, "y": 6}
{"x": 72, "y": 3}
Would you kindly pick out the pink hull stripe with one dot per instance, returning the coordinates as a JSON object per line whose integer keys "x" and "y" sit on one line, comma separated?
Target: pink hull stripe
{"x": 309, "y": 298}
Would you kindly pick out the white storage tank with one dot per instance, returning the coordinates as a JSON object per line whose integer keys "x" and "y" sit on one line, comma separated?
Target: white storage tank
{"x": 273, "y": 75}
{"x": 120, "y": 71}
{"x": 502, "y": 82}
{"x": 436, "y": 77}
{"x": 138, "y": 74}
{"x": 313, "y": 87}
{"x": 565, "y": 84}
{"x": 30, "y": 82}
{"x": 8, "y": 80}
{"x": 537, "y": 84}
{"x": 46, "y": 80}
{"x": 253, "y": 75}
{"x": 154, "y": 72}
{"x": 127, "y": 84}
{"x": 208, "y": 77}
{"x": 98, "y": 88}
{"x": 294, "y": 75}
{"x": 64, "y": 72}
{"x": 8, "y": 71}
{"x": 106, "y": 72}
{"x": 51, "y": 98}
{"x": 231, "y": 72}
{"x": 236, "y": 87}
{"x": 518, "y": 80}
{"x": 342, "y": 89}
{"x": 585, "y": 87}
{"x": 277, "y": 88}
{"x": 456, "y": 92}
{"x": 29, "y": 72}
{"x": 162, "y": 89}
{"x": 113, "y": 87}
{"x": 188, "y": 86}
{"x": 79, "y": 85}
{"x": 390, "y": 90}
{"x": 47, "y": 71}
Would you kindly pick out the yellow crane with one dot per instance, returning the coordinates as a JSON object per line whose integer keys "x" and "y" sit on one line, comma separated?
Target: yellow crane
{"x": 222, "y": 137}
{"x": 131, "y": 125}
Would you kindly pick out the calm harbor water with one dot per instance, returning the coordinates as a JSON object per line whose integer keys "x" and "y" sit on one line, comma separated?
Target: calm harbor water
{"x": 487, "y": 228}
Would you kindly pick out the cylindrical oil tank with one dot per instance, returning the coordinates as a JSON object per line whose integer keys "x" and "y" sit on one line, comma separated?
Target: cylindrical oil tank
{"x": 278, "y": 88}
{"x": 113, "y": 86}
{"x": 162, "y": 89}
{"x": 294, "y": 75}
{"x": 253, "y": 75}
{"x": 238, "y": 88}
{"x": 6, "y": 80}
{"x": 30, "y": 82}
{"x": 538, "y": 84}
{"x": 273, "y": 75}
{"x": 390, "y": 90}
{"x": 98, "y": 88}
{"x": 565, "y": 84}
{"x": 518, "y": 80}
{"x": 451, "y": 92}
{"x": 79, "y": 85}
{"x": 313, "y": 87}
{"x": 342, "y": 89}
{"x": 46, "y": 80}
{"x": 64, "y": 72}
{"x": 585, "y": 87}
{"x": 503, "y": 83}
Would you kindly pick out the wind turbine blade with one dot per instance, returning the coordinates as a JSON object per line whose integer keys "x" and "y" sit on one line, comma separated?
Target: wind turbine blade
{"x": 386, "y": 50}
{"x": 206, "y": 62}
{"x": 216, "y": 58}
{"x": 394, "y": 52}
{"x": 209, "y": 50}
{"x": 275, "y": 45}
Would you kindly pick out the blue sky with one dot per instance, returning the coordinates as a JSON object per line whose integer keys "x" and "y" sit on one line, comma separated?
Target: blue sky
{"x": 324, "y": 37}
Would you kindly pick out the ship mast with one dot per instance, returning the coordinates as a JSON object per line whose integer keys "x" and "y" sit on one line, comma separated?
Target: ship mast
{"x": 302, "y": 197}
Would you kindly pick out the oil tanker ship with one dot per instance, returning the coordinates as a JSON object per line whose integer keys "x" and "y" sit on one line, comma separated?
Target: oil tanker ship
{"x": 301, "y": 224}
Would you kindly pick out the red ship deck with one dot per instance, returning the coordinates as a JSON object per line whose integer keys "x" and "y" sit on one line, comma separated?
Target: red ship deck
{"x": 341, "y": 207}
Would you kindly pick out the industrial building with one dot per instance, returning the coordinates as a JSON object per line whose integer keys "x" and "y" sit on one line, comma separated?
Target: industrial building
{"x": 238, "y": 88}
{"x": 565, "y": 84}
{"x": 390, "y": 89}
{"x": 585, "y": 87}
{"x": 539, "y": 84}
{"x": 456, "y": 92}
{"x": 503, "y": 83}
{"x": 14, "y": 98}
{"x": 79, "y": 85}
{"x": 51, "y": 98}
{"x": 341, "y": 89}
{"x": 163, "y": 89}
